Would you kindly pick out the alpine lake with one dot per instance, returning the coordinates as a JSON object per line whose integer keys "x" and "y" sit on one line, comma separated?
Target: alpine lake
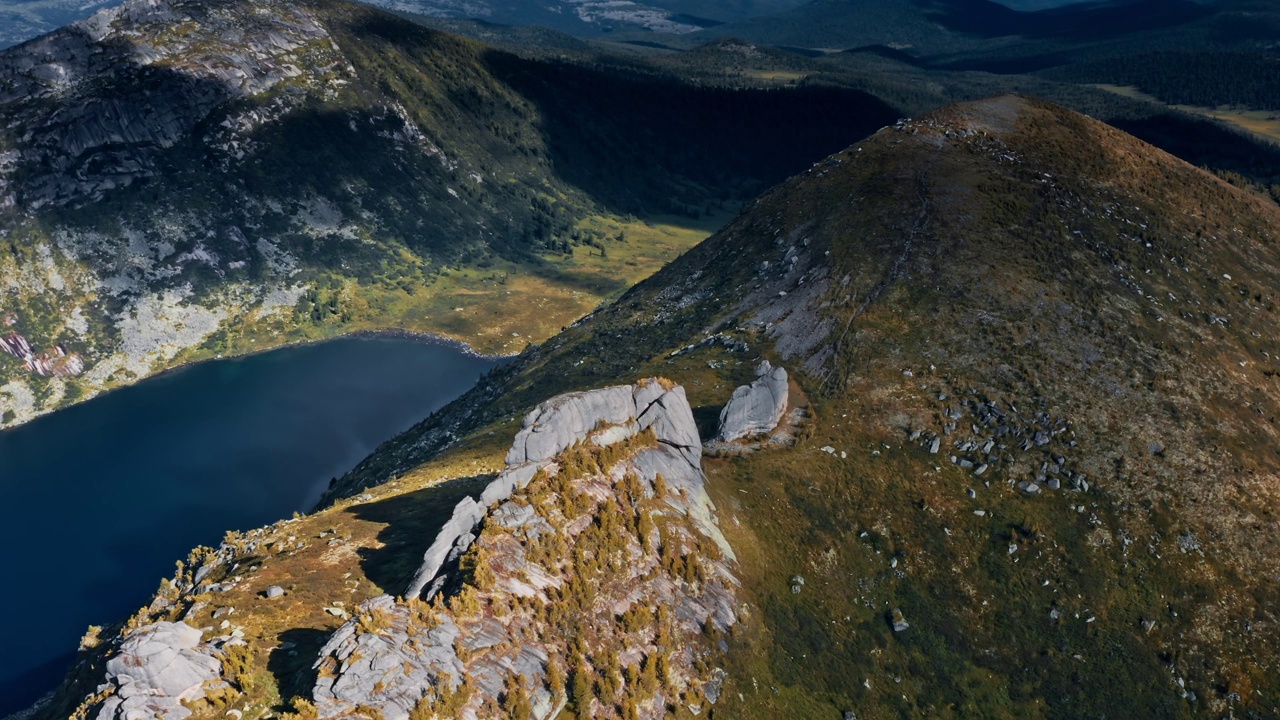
{"x": 102, "y": 498}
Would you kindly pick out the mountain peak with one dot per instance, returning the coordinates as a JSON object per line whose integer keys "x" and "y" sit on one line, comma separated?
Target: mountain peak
{"x": 1042, "y": 356}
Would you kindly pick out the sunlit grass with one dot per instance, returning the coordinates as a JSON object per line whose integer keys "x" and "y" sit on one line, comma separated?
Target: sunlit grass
{"x": 1259, "y": 123}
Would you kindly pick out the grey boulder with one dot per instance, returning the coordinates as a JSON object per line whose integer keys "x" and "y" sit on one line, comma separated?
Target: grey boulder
{"x": 756, "y": 408}
{"x": 157, "y": 669}
{"x": 606, "y": 416}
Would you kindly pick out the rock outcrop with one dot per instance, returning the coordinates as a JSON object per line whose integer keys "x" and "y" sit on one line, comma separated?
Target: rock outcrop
{"x": 758, "y": 407}
{"x": 157, "y": 669}
{"x": 620, "y": 412}
{"x": 600, "y": 517}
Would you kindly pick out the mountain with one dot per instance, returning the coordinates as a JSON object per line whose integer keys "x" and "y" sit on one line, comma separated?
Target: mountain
{"x": 1024, "y": 468}
{"x": 182, "y": 180}
{"x": 597, "y": 18}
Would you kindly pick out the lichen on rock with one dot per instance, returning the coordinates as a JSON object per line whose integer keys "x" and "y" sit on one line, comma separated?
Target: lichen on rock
{"x": 157, "y": 670}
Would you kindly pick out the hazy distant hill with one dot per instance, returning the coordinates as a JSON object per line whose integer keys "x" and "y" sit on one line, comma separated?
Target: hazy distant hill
{"x": 982, "y": 34}
{"x": 22, "y": 20}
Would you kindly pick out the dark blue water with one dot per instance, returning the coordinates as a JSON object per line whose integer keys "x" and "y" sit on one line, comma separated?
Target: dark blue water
{"x": 99, "y": 500}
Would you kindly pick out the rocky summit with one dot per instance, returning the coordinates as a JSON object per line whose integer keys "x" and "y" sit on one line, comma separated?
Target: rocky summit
{"x": 1030, "y": 365}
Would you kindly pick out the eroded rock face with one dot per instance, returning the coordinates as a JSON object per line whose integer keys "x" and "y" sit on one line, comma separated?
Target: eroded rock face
{"x": 386, "y": 664}
{"x": 157, "y": 669}
{"x": 758, "y": 407}
{"x": 537, "y": 541}
{"x": 620, "y": 412}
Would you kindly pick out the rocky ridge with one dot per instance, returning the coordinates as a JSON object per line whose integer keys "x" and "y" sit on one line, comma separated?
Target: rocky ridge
{"x": 1041, "y": 358}
{"x": 603, "y": 489}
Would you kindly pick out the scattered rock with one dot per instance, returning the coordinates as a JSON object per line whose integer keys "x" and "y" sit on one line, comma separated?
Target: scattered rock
{"x": 274, "y": 591}
{"x": 899, "y": 620}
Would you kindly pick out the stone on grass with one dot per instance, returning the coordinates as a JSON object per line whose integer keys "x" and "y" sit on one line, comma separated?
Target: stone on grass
{"x": 899, "y": 620}
{"x": 756, "y": 408}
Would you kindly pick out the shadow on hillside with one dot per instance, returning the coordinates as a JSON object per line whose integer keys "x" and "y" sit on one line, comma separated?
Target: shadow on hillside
{"x": 1207, "y": 144}
{"x": 126, "y": 114}
{"x": 291, "y": 662}
{"x": 584, "y": 281}
{"x": 707, "y": 418}
{"x": 412, "y": 521}
{"x": 646, "y": 142}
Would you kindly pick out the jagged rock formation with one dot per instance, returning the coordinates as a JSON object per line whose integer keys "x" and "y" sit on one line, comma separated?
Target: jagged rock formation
{"x": 603, "y": 496}
{"x": 157, "y": 670}
{"x": 553, "y": 427}
{"x": 755, "y": 408}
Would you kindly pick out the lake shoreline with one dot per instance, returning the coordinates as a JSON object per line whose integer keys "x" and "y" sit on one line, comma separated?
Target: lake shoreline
{"x": 187, "y": 456}
{"x": 424, "y": 337}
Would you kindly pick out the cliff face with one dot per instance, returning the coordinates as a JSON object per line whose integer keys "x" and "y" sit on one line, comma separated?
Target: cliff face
{"x": 594, "y": 554}
{"x": 98, "y": 100}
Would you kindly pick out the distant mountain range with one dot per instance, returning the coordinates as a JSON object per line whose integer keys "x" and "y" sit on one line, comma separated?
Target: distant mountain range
{"x": 956, "y": 31}
{"x": 22, "y": 20}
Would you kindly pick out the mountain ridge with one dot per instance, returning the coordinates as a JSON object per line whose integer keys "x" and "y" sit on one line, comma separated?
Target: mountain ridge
{"x": 1033, "y": 371}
